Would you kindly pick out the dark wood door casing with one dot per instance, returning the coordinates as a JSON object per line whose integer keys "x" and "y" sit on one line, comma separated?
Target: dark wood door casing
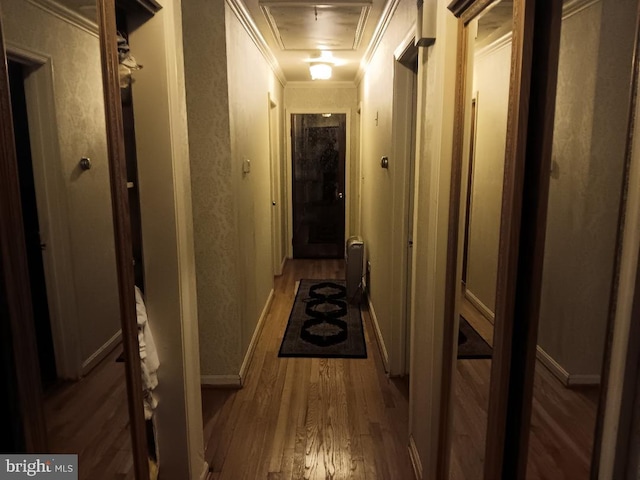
{"x": 535, "y": 46}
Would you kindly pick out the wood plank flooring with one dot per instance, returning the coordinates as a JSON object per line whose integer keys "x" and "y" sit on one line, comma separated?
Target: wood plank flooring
{"x": 308, "y": 418}
{"x": 299, "y": 418}
{"x": 90, "y": 418}
{"x": 562, "y": 421}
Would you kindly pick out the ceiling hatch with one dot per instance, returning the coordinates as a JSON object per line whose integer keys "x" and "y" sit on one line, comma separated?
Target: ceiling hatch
{"x": 317, "y": 26}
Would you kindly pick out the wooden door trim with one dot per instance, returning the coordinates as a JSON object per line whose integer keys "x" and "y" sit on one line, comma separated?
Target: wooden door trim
{"x": 529, "y": 183}
{"x": 122, "y": 233}
{"x": 523, "y": 222}
{"x": 13, "y": 260}
{"x": 631, "y": 370}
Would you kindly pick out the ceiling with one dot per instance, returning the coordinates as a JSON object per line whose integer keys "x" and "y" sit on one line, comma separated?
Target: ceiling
{"x": 297, "y": 31}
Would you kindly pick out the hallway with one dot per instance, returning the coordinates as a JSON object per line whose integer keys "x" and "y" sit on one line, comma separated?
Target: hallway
{"x": 307, "y": 417}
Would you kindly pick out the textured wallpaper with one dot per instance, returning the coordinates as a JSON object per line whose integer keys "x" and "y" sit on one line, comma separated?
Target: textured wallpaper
{"x": 80, "y": 124}
{"x": 250, "y": 83}
{"x": 588, "y": 153}
{"x": 227, "y": 82}
{"x": 214, "y": 201}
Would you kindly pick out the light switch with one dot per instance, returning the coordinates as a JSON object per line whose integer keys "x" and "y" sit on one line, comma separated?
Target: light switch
{"x": 246, "y": 165}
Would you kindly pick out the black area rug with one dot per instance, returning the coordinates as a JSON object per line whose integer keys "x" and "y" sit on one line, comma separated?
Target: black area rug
{"x": 470, "y": 344}
{"x": 323, "y": 324}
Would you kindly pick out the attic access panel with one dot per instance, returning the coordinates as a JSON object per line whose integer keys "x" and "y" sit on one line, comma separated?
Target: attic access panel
{"x": 314, "y": 26}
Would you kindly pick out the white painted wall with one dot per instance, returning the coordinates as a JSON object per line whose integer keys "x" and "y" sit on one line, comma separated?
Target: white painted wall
{"x": 436, "y": 98}
{"x": 436, "y": 101}
{"x": 380, "y": 187}
{"x": 491, "y": 73}
{"x": 167, "y": 233}
{"x": 87, "y": 306}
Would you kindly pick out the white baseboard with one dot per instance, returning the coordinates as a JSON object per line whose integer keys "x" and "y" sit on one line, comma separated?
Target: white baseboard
{"x": 554, "y": 367}
{"x": 229, "y": 381}
{"x": 415, "y": 458}
{"x": 236, "y": 381}
{"x": 254, "y": 339}
{"x": 205, "y": 471}
{"x": 567, "y": 379}
{"x": 99, "y": 354}
{"x": 482, "y": 308}
{"x": 376, "y": 328}
{"x": 282, "y": 265}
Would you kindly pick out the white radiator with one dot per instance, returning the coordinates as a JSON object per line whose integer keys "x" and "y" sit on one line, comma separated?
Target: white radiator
{"x": 354, "y": 256}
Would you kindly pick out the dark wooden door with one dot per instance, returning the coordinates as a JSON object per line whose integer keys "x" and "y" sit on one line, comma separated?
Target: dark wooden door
{"x": 318, "y": 164}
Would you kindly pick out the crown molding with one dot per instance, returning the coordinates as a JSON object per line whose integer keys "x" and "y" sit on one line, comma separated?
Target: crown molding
{"x": 572, "y": 7}
{"x": 497, "y": 44}
{"x": 378, "y": 34}
{"x": 319, "y": 84}
{"x": 242, "y": 13}
{"x": 67, "y": 15}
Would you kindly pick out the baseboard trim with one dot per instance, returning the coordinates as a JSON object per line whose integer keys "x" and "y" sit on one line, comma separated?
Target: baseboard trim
{"x": 376, "y": 328}
{"x": 222, "y": 381}
{"x": 99, "y": 354}
{"x": 482, "y": 308}
{"x": 567, "y": 379}
{"x": 415, "y": 458}
{"x": 282, "y": 265}
{"x": 554, "y": 367}
{"x": 254, "y": 339}
{"x": 204, "y": 475}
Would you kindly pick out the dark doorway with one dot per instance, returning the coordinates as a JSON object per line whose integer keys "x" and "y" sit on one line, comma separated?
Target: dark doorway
{"x": 318, "y": 152}
{"x": 34, "y": 245}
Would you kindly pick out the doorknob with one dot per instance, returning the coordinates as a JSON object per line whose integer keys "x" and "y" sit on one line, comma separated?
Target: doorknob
{"x": 340, "y": 195}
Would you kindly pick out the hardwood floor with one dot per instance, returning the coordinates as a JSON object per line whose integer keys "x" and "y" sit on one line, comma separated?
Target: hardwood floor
{"x": 90, "y": 418}
{"x": 308, "y": 418}
{"x": 302, "y": 418}
{"x": 562, "y": 422}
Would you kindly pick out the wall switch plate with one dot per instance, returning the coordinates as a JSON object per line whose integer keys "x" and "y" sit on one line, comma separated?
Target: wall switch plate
{"x": 246, "y": 165}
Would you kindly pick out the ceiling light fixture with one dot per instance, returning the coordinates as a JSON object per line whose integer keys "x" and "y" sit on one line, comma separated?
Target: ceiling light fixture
{"x": 320, "y": 71}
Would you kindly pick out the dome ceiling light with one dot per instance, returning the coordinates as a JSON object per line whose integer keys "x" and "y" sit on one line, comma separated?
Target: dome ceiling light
{"x": 321, "y": 65}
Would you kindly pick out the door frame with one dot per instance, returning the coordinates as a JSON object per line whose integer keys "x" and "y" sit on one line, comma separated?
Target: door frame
{"x": 275, "y": 169}
{"x": 535, "y": 49}
{"x": 404, "y": 147}
{"x": 52, "y": 208}
{"x": 122, "y": 232}
{"x": 289, "y": 170}
{"x": 15, "y": 281}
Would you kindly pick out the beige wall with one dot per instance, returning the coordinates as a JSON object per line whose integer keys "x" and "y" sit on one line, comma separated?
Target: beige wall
{"x": 251, "y": 82}
{"x": 436, "y": 98}
{"x": 436, "y": 88}
{"x": 491, "y": 71}
{"x": 167, "y": 234}
{"x": 81, "y": 201}
{"x": 227, "y": 105}
{"x": 379, "y": 189}
{"x": 588, "y": 154}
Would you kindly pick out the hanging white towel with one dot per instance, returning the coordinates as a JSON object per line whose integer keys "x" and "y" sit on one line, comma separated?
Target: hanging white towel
{"x": 149, "y": 362}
